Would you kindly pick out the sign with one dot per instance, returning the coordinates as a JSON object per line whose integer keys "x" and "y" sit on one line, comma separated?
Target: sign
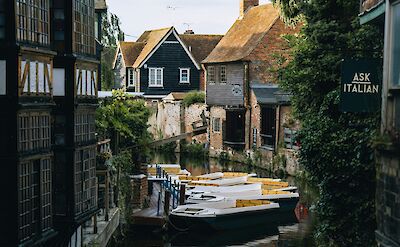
{"x": 361, "y": 87}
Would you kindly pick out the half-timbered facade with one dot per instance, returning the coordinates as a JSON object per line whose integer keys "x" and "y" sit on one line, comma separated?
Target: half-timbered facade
{"x": 26, "y": 97}
{"x": 162, "y": 61}
{"x": 247, "y": 109}
{"x": 76, "y": 68}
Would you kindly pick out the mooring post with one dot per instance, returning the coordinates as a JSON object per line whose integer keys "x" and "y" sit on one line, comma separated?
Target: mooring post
{"x": 159, "y": 202}
{"x": 166, "y": 202}
{"x": 182, "y": 194}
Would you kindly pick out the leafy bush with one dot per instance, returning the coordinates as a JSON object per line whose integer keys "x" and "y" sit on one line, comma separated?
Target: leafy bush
{"x": 194, "y": 97}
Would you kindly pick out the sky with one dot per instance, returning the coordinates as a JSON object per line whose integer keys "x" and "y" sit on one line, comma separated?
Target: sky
{"x": 202, "y": 16}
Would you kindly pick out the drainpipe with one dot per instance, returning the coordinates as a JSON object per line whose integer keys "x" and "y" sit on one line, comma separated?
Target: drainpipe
{"x": 248, "y": 102}
{"x": 277, "y": 132}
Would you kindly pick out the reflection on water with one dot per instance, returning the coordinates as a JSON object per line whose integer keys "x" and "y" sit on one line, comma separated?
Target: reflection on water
{"x": 294, "y": 233}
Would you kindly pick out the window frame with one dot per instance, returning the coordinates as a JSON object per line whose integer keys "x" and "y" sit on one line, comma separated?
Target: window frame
{"x": 392, "y": 85}
{"x": 218, "y": 121}
{"x": 158, "y": 71}
{"x": 208, "y": 74}
{"x": 223, "y": 69}
{"x": 181, "y": 70}
{"x": 131, "y": 78}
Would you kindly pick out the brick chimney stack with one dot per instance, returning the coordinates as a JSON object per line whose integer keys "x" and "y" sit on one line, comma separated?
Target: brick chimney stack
{"x": 246, "y": 5}
{"x": 189, "y": 31}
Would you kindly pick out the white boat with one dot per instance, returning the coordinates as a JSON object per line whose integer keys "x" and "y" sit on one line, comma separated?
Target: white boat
{"x": 222, "y": 215}
{"x": 207, "y": 197}
{"x": 224, "y": 189}
{"x": 222, "y": 181}
{"x": 212, "y": 176}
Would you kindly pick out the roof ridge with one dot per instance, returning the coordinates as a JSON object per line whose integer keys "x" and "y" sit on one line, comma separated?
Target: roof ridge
{"x": 159, "y": 29}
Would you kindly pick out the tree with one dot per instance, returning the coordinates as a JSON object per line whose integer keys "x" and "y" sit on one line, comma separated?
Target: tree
{"x": 111, "y": 35}
{"x": 335, "y": 146}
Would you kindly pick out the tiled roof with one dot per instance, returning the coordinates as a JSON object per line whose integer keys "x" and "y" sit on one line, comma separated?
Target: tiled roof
{"x": 152, "y": 38}
{"x": 269, "y": 94}
{"x": 130, "y": 51}
{"x": 244, "y": 35}
{"x": 200, "y": 45}
{"x": 100, "y": 4}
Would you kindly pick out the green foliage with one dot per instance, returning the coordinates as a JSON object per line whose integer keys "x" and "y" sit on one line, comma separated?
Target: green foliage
{"x": 111, "y": 35}
{"x": 193, "y": 98}
{"x": 194, "y": 150}
{"x": 335, "y": 146}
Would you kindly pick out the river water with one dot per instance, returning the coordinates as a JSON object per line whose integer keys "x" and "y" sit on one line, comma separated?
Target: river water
{"x": 297, "y": 233}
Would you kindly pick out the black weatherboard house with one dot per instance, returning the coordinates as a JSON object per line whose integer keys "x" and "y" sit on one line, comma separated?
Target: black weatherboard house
{"x": 162, "y": 61}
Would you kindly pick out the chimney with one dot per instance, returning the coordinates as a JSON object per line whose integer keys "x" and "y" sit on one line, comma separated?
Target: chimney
{"x": 246, "y": 5}
{"x": 189, "y": 31}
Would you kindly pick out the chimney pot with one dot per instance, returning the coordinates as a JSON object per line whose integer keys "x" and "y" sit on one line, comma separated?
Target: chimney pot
{"x": 246, "y": 5}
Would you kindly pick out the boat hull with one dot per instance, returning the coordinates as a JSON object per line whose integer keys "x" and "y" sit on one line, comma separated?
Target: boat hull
{"x": 231, "y": 221}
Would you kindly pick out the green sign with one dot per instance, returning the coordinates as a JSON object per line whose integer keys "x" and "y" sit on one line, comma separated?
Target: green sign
{"x": 361, "y": 88}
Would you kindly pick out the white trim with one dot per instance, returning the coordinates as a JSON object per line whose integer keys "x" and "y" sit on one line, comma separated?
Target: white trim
{"x": 158, "y": 71}
{"x": 116, "y": 57}
{"x": 171, "y": 42}
{"x": 188, "y": 75}
{"x": 162, "y": 41}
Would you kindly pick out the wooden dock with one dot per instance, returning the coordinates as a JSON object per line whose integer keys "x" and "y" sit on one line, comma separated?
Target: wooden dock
{"x": 154, "y": 214}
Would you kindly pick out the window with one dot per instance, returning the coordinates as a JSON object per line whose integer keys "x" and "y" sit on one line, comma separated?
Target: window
{"x": 216, "y": 124}
{"x": 184, "y": 76}
{"x": 268, "y": 122}
{"x": 131, "y": 78}
{"x": 85, "y": 126}
{"x": 156, "y": 77}
{"x": 33, "y": 21}
{"x": 33, "y": 131}
{"x": 395, "y": 46}
{"x": 211, "y": 74}
{"x": 290, "y": 139}
{"x": 85, "y": 180}
{"x": 223, "y": 74}
{"x": 84, "y": 14}
{"x": 2, "y": 20}
{"x": 35, "y": 210}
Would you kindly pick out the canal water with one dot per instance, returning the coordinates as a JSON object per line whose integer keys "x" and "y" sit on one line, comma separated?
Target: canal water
{"x": 296, "y": 233}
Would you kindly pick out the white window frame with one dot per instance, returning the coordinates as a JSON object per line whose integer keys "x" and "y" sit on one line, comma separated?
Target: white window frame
{"x": 131, "y": 78}
{"x": 223, "y": 68}
{"x": 181, "y": 70}
{"x": 216, "y": 120}
{"x": 208, "y": 74}
{"x": 154, "y": 82}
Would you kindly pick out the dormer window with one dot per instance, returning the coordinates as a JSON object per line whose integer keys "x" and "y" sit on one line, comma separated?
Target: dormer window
{"x": 156, "y": 77}
{"x": 184, "y": 75}
{"x": 131, "y": 78}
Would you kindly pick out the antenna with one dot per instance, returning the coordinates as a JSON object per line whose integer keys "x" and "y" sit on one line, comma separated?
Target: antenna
{"x": 172, "y": 7}
{"x": 187, "y": 25}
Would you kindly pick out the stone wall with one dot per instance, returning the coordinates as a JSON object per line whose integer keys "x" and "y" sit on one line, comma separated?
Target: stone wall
{"x": 172, "y": 118}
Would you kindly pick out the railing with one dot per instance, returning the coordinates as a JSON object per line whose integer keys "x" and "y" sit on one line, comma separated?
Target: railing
{"x": 366, "y": 5}
{"x": 175, "y": 189}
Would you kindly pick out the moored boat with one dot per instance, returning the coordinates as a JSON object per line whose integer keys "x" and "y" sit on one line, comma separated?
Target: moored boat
{"x": 227, "y": 214}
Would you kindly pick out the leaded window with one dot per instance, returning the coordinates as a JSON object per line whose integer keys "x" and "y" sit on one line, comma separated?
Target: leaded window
{"x": 2, "y": 20}
{"x": 35, "y": 210}
{"x": 33, "y": 21}
{"x": 211, "y": 74}
{"x": 84, "y": 39}
{"x": 223, "y": 74}
{"x": 85, "y": 130}
{"x": 85, "y": 180}
{"x": 34, "y": 131}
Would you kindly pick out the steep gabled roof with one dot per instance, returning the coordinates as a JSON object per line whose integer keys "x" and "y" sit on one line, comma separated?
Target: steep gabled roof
{"x": 200, "y": 45}
{"x": 245, "y": 34}
{"x": 130, "y": 52}
{"x": 152, "y": 38}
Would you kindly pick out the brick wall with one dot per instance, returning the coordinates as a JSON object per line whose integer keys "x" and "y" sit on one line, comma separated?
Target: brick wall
{"x": 139, "y": 191}
{"x": 216, "y": 138}
{"x": 263, "y": 56}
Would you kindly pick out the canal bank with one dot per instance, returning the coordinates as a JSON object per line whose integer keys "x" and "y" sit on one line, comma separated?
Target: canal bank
{"x": 293, "y": 234}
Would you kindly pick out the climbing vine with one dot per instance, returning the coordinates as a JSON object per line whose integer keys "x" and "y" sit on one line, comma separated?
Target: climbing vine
{"x": 335, "y": 146}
